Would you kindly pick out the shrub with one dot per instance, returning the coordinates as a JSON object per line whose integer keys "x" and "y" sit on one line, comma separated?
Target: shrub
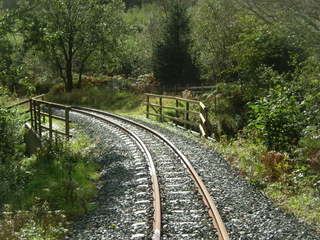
{"x": 227, "y": 109}
{"x": 39, "y": 223}
{"x": 277, "y": 119}
{"x": 310, "y": 147}
{"x": 276, "y": 164}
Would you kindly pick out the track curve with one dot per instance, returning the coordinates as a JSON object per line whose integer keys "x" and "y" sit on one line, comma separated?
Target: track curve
{"x": 207, "y": 199}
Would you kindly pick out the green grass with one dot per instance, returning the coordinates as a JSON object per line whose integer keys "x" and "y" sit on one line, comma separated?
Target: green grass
{"x": 49, "y": 181}
{"x": 59, "y": 183}
{"x": 100, "y": 98}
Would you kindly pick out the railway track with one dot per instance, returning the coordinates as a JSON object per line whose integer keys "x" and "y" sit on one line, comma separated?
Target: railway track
{"x": 182, "y": 206}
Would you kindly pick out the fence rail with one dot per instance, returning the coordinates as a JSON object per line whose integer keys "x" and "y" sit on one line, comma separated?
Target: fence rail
{"x": 42, "y": 116}
{"x": 192, "y": 113}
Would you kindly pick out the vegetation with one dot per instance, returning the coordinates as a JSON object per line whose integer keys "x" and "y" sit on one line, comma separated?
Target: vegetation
{"x": 172, "y": 62}
{"x": 40, "y": 194}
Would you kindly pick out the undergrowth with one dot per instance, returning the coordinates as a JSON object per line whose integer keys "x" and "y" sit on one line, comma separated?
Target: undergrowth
{"x": 59, "y": 185}
{"x": 99, "y": 97}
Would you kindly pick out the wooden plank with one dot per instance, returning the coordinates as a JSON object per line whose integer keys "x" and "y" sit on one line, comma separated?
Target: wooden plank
{"x": 50, "y": 123}
{"x": 52, "y": 104}
{"x": 24, "y": 112}
{"x": 18, "y": 104}
{"x": 147, "y": 107}
{"x": 154, "y": 109}
{"x": 202, "y": 105}
{"x": 174, "y": 108}
{"x": 31, "y": 114}
{"x": 203, "y": 119}
{"x": 160, "y": 110}
{"x": 55, "y": 131}
{"x": 67, "y": 111}
{"x": 177, "y": 107}
{"x": 53, "y": 116}
{"x": 203, "y": 132}
{"x": 171, "y": 97}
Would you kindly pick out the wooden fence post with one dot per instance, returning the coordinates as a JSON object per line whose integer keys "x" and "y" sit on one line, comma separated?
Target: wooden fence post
{"x": 187, "y": 114}
{"x": 161, "y": 115}
{"x": 50, "y": 122}
{"x": 67, "y": 111}
{"x": 39, "y": 119}
{"x": 35, "y": 117}
{"x": 147, "y": 107}
{"x": 31, "y": 113}
{"x": 177, "y": 106}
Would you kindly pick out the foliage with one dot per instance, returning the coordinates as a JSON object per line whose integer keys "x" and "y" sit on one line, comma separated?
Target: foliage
{"x": 11, "y": 151}
{"x": 277, "y": 119}
{"x": 62, "y": 175}
{"x": 69, "y": 33}
{"x": 226, "y": 107}
{"x": 172, "y": 62}
{"x": 39, "y": 223}
{"x": 309, "y": 146}
{"x": 260, "y": 44}
{"x": 214, "y": 30}
{"x": 110, "y": 99}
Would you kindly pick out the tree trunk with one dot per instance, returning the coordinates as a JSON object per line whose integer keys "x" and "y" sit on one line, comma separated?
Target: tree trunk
{"x": 69, "y": 76}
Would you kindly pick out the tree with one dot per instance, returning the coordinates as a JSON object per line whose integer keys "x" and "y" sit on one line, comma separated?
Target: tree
{"x": 302, "y": 17}
{"x": 172, "y": 62}
{"x": 215, "y": 29}
{"x": 69, "y": 32}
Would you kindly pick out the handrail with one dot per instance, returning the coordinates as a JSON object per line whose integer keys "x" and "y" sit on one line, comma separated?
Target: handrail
{"x": 38, "y": 116}
{"x": 202, "y": 115}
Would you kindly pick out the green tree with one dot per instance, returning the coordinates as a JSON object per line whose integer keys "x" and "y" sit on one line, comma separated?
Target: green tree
{"x": 69, "y": 32}
{"x": 172, "y": 61}
{"x": 214, "y": 30}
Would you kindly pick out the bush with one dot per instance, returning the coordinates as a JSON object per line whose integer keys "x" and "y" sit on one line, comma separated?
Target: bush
{"x": 11, "y": 151}
{"x": 277, "y": 119}
{"x": 227, "y": 109}
{"x": 309, "y": 146}
{"x": 39, "y": 223}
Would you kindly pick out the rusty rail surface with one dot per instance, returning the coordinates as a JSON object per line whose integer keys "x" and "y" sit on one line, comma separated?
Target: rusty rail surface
{"x": 200, "y": 121}
{"x": 208, "y": 201}
{"x": 152, "y": 169}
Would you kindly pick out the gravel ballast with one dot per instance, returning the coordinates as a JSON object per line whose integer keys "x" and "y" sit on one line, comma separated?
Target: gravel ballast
{"x": 119, "y": 188}
{"x": 247, "y": 213}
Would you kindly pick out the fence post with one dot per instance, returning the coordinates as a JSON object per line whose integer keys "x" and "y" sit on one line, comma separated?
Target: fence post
{"x": 177, "y": 106}
{"x": 161, "y": 115}
{"x": 187, "y": 114}
{"x": 39, "y": 119}
{"x": 50, "y": 122}
{"x": 67, "y": 111}
{"x": 147, "y": 107}
{"x": 35, "y": 118}
{"x": 31, "y": 113}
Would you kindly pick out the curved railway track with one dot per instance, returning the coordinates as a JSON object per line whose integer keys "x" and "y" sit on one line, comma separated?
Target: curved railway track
{"x": 178, "y": 212}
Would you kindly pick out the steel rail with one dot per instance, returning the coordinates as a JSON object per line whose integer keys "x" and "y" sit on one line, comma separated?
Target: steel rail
{"x": 213, "y": 211}
{"x": 152, "y": 169}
